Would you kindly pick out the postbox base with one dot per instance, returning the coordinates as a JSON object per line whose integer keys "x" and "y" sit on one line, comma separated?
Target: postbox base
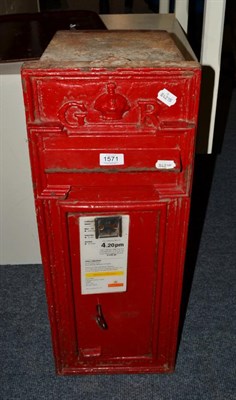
{"x": 107, "y": 370}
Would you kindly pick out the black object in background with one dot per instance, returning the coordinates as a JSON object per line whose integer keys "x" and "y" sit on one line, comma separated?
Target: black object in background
{"x": 27, "y": 35}
{"x": 51, "y": 5}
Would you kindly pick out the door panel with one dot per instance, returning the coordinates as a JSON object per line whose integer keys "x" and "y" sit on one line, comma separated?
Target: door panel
{"x": 130, "y": 315}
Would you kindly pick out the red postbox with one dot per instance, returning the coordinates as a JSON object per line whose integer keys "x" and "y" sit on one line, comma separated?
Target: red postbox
{"x": 111, "y": 120}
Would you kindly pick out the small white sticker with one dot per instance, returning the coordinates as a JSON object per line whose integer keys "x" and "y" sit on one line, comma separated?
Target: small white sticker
{"x": 167, "y": 97}
{"x": 111, "y": 159}
{"x": 165, "y": 164}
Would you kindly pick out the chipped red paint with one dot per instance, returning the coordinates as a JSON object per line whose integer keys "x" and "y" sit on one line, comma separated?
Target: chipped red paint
{"x": 129, "y": 93}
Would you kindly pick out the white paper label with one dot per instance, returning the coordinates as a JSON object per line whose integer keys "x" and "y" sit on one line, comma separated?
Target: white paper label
{"x": 165, "y": 164}
{"x": 103, "y": 260}
{"x": 111, "y": 159}
{"x": 167, "y": 97}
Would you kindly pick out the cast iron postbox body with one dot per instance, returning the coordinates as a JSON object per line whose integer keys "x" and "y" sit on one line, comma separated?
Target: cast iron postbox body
{"x": 111, "y": 120}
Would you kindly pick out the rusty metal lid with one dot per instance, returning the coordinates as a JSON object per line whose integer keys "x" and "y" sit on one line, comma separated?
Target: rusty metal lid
{"x": 113, "y": 49}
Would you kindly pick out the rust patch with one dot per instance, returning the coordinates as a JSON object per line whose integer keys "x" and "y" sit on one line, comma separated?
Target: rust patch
{"x": 112, "y": 49}
{"x": 107, "y": 171}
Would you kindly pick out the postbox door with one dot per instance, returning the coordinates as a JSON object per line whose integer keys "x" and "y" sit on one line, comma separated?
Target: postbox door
{"x": 133, "y": 328}
{"x": 128, "y": 315}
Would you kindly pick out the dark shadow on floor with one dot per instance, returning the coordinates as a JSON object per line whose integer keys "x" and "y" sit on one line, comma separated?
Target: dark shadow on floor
{"x": 203, "y": 176}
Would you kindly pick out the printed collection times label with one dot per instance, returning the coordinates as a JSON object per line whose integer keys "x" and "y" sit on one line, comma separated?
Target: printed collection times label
{"x": 103, "y": 260}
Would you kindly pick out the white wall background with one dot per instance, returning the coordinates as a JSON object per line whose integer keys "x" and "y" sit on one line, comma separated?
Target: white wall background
{"x": 18, "y": 232}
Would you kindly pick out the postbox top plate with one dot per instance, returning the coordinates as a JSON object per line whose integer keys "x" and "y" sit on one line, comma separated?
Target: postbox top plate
{"x": 114, "y": 49}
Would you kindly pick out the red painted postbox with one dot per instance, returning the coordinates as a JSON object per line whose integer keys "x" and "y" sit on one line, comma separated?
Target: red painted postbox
{"x": 111, "y": 120}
